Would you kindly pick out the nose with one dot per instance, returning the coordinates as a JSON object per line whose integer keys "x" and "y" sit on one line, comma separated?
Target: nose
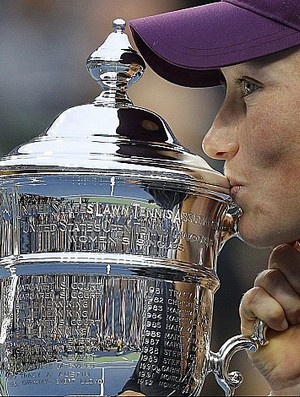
{"x": 220, "y": 141}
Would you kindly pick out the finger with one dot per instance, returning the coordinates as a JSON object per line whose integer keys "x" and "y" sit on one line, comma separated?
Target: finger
{"x": 257, "y": 303}
{"x": 295, "y": 244}
{"x": 278, "y": 287}
{"x": 287, "y": 259}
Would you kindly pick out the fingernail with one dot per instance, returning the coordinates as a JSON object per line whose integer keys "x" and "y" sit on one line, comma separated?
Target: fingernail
{"x": 295, "y": 245}
{"x": 284, "y": 324}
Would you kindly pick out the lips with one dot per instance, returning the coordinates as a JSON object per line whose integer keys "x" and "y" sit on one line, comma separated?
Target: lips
{"x": 235, "y": 186}
{"x": 234, "y": 190}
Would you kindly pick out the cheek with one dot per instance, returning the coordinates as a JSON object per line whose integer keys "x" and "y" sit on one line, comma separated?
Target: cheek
{"x": 267, "y": 141}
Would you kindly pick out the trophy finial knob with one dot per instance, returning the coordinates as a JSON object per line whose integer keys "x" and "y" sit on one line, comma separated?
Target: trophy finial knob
{"x": 119, "y": 25}
{"x": 115, "y": 65}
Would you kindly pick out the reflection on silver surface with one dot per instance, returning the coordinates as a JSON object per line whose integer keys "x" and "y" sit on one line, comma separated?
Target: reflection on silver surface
{"x": 110, "y": 232}
{"x": 73, "y": 332}
{"x": 61, "y": 320}
{"x": 105, "y": 280}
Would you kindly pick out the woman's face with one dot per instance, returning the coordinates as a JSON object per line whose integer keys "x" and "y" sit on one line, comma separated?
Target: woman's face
{"x": 257, "y": 133}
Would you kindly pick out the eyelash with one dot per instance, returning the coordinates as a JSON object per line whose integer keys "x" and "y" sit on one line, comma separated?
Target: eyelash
{"x": 243, "y": 82}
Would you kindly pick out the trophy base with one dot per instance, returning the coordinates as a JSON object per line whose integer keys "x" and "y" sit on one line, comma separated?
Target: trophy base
{"x": 98, "y": 327}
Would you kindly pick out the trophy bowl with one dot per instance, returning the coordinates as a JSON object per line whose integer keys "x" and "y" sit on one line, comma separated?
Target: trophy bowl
{"x": 110, "y": 233}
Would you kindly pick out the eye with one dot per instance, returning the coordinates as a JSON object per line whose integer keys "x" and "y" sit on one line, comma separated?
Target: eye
{"x": 248, "y": 86}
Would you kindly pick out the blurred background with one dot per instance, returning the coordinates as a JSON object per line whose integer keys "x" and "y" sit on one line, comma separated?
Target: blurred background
{"x": 43, "y": 50}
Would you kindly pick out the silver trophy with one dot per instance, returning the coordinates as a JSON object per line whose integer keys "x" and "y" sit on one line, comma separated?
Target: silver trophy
{"x": 110, "y": 232}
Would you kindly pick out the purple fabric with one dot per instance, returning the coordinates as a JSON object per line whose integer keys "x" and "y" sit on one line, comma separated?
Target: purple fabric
{"x": 188, "y": 46}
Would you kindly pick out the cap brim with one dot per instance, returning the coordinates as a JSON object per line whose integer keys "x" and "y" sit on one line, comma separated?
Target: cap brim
{"x": 189, "y": 46}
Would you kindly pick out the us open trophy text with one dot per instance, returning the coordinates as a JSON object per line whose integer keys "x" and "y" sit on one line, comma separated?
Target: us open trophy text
{"x": 110, "y": 232}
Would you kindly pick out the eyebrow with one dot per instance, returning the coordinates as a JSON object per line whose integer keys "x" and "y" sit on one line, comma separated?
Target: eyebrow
{"x": 245, "y": 68}
{"x": 255, "y": 65}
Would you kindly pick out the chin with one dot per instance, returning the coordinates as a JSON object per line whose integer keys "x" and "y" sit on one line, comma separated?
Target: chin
{"x": 256, "y": 242}
{"x": 259, "y": 237}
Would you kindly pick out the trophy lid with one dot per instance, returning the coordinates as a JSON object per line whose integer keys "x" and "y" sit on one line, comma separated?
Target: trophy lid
{"x": 112, "y": 134}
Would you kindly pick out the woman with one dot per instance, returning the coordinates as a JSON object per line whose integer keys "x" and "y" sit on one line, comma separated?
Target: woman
{"x": 253, "y": 47}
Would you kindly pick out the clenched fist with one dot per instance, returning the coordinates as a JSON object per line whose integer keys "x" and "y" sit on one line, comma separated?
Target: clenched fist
{"x": 275, "y": 299}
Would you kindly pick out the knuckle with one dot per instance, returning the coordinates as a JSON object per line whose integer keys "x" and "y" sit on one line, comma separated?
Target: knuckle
{"x": 254, "y": 304}
{"x": 285, "y": 255}
{"x": 269, "y": 278}
{"x": 252, "y": 297}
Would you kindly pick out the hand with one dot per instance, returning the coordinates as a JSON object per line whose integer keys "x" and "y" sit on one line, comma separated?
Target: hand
{"x": 275, "y": 299}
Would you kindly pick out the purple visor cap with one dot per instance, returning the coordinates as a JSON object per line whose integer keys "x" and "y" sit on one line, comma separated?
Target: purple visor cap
{"x": 189, "y": 46}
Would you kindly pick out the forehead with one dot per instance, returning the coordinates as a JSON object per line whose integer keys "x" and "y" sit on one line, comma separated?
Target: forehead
{"x": 281, "y": 64}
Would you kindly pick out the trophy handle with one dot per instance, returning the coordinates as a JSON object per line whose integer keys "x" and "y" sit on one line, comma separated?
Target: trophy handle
{"x": 219, "y": 362}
